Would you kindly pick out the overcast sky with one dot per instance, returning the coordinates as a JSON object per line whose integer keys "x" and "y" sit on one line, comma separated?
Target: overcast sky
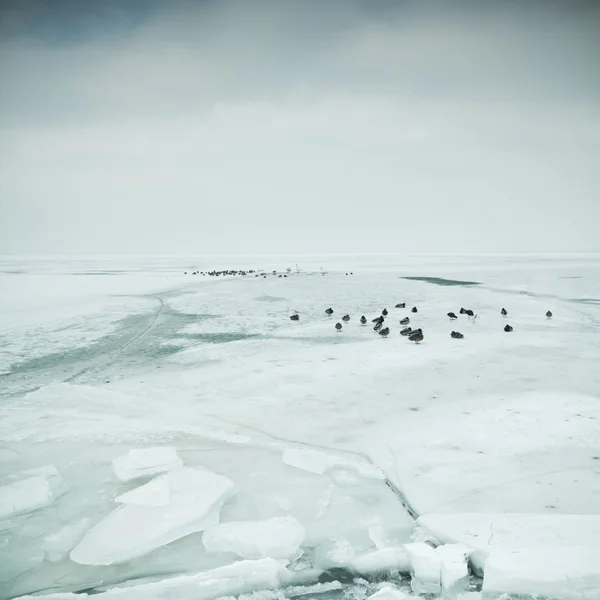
{"x": 304, "y": 126}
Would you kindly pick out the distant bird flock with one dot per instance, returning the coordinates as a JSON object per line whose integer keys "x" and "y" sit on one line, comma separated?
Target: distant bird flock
{"x": 414, "y": 335}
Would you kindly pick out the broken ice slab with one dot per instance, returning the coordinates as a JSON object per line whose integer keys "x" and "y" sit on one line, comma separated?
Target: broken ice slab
{"x": 279, "y": 537}
{"x": 134, "y": 530}
{"x": 319, "y": 461}
{"x": 30, "y": 490}
{"x": 558, "y": 572}
{"x": 455, "y": 568}
{"x": 143, "y": 462}
{"x": 59, "y": 544}
{"x": 153, "y": 493}
{"x": 425, "y": 568}
{"x": 242, "y": 577}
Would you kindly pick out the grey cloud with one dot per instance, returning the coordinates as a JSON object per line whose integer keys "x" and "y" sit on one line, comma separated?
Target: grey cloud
{"x": 305, "y": 126}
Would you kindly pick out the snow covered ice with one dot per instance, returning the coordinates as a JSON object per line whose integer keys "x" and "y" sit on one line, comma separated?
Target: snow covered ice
{"x": 140, "y": 386}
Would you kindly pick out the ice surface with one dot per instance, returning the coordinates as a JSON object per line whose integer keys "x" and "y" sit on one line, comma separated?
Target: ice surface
{"x": 497, "y": 424}
{"x": 141, "y": 462}
{"x": 318, "y": 462}
{"x": 59, "y": 544}
{"x": 32, "y": 490}
{"x": 16, "y": 560}
{"x": 425, "y": 568}
{"x": 557, "y": 572}
{"x": 239, "y": 578}
{"x": 455, "y": 569}
{"x": 279, "y": 537}
{"x": 133, "y": 530}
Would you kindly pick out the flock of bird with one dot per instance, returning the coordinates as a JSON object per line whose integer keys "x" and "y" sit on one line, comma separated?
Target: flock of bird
{"x": 239, "y": 272}
{"x": 259, "y": 273}
{"x": 414, "y": 335}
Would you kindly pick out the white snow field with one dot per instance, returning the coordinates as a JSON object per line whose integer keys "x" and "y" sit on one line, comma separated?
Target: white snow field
{"x": 169, "y": 435}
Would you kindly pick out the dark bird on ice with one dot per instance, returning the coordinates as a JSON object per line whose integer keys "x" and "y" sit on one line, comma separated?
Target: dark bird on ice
{"x": 338, "y": 326}
{"x": 508, "y": 328}
{"x": 329, "y": 311}
{"x": 467, "y": 312}
{"x": 363, "y": 320}
{"x": 549, "y": 314}
{"x": 406, "y": 331}
{"x": 405, "y": 321}
{"x": 384, "y": 312}
{"x": 503, "y": 312}
{"x": 414, "y": 309}
{"x": 385, "y": 332}
{"x": 457, "y": 334}
{"x": 378, "y": 326}
{"x": 295, "y": 317}
{"x": 378, "y": 319}
{"x": 452, "y": 315}
{"x": 346, "y": 318}
{"x": 416, "y": 336}
{"x": 401, "y": 305}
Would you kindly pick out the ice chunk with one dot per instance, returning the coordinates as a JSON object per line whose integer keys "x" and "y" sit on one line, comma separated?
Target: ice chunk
{"x": 239, "y": 578}
{"x": 133, "y": 530}
{"x": 455, "y": 570}
{"x": 153, "y": 493}
{"x": 425, "y": 568}
{"x": 318, "y": 461}
{"x": 30, "y": 490}
{"x": 559, "y": 572}
{"x": 24, "y": 496}
{"x": 389, "y": 592}
{"x": 142, "y": 462}
{"x": 381, "y": 561}
{"x": 59, "y": 544}
{"x": 279, "y": 537}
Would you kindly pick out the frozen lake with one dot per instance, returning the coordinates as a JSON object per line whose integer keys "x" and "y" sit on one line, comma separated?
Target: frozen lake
{"x": 347, "y": 435}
